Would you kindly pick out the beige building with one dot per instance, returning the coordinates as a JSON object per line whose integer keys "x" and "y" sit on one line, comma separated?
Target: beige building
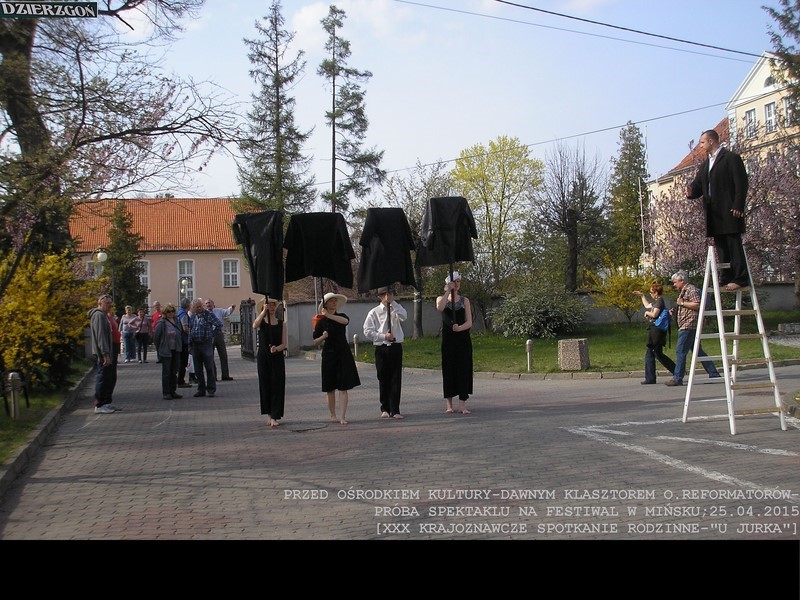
{"x": 187, "y": 246}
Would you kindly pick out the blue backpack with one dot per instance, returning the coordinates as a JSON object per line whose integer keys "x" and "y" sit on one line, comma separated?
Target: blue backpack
{"x": 664, "y": 323}
{"x": 663, "y": 320}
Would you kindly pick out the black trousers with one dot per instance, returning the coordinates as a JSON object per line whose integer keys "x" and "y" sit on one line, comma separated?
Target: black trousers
{"x": 730, "y": 250}
{"x": 184, "y": 358}
{"x": 389, "y": 364}
{"x": 222, "y": 352}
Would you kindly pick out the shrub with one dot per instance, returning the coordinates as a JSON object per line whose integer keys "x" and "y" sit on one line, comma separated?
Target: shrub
{"x": 44, "y": 315}
{"x": 538, "y": 313}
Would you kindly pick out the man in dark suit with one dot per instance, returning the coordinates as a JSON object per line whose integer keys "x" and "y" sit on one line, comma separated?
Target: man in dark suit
{"x": 722, "y": 182}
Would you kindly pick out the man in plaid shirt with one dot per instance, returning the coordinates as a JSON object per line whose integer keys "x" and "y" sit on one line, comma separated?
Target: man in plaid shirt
{"x": 687, "y": 311}
{"x": 203, "y": 325}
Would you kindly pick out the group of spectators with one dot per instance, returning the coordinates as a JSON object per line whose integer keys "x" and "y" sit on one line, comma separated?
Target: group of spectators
{"x": 184, "y": 339}
{"x": 137, "y": 331}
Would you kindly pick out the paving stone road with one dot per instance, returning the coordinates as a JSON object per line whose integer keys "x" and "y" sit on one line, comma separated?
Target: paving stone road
{"x": 538, "y": 459}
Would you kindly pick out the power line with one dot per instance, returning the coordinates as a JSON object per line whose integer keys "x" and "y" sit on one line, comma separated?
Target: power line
{"x": 566, "y": 137}
{"x": 664, "y": 37}
{"x": 585, "y": 33}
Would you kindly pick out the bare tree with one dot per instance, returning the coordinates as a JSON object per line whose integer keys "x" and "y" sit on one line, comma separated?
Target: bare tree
{"x": 570, "y": 202}
{"x": 88, "y": 112}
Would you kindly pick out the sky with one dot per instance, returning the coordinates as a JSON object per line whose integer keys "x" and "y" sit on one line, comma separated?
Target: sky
{"x": 450, "y": 74}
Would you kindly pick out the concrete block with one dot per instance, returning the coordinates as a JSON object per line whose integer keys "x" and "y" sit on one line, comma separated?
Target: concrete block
{"x": 573, "y": 355}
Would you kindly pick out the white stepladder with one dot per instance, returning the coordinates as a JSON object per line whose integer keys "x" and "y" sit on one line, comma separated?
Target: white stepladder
{"x": 731, "y": 361}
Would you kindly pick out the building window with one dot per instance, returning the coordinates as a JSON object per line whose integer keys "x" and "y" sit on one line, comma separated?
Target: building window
{"x": 186, "y": 282}
{"x": 91, "y": 271}
{"x": 789, "y": 114}
{"x": 144, "y": 277}
{"x": 770, "y": 120}
{"x": 770, "y": 80}
{"x": 230, "y": 273}
{"x": 750, "y": 129}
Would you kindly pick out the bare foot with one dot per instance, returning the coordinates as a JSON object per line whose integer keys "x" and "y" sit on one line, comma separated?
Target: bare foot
{"x": 334, "y": 419}
{"x": 398, "y": 416}
{"x": 384, "y": 415}
{"x": 464, "y": 411}
{"x": 449, "y": 411}
{"x": 343, "y": 422}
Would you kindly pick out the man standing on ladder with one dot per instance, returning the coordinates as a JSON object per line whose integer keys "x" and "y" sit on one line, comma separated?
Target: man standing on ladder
{"x": 722, "y": 182}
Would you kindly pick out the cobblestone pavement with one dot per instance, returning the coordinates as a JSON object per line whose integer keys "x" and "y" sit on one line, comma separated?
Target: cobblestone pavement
{"x": 538, "y": 459}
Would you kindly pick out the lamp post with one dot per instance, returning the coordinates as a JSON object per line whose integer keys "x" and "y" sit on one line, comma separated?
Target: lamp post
{"x": 99, "y": 258}
{"x": 184, "y": 283}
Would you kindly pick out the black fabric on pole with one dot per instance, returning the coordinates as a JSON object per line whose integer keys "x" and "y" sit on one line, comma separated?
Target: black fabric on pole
{"x": 386, "y": 245}
{"x": 261, "y": 237}
{"x": 318, "y": 244}
{"x": 448, "y": 229}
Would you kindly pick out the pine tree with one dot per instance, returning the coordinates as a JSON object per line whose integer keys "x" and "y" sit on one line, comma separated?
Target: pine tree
{"x": 275, "y": 173}
{"x": 625, "y": 207}
{"x": 347, "y": 120}
{"x": 124, "y": 260}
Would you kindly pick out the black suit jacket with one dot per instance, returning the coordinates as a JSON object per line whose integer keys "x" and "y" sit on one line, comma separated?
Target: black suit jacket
{"x": 723, "y": 189}
{"x": 386, "y": 244}
{"x": 448, "y": 229}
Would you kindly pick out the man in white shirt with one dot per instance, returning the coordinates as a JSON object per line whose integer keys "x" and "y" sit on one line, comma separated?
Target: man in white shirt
{"x": 383, "y": 327}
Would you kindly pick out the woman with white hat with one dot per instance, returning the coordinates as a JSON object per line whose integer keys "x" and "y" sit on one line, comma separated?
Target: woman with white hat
{"x": 339, "y": 371}
{"x": 272, "y": 341}
{"x": 456, "y": 343}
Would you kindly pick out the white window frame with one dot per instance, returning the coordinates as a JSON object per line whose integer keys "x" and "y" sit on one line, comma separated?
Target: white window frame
{"x": 144, "y": 277}
{"x": 750, "y": 127}
{"x": 183, "y": 271}
{"x": 770, "y": 118}
{"x": 230, "y": 278}
{"x": 789, "y": 116}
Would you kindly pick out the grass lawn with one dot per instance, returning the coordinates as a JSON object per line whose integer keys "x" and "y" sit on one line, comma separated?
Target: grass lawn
{"x": 612, "y": 347}
{"x": 14, "y": 432}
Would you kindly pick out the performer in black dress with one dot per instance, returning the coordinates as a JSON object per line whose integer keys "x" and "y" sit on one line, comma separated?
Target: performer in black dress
{"x": 456, "y": 344}
{"x": 272, "y": 341}
{"x": 339, "y": 371}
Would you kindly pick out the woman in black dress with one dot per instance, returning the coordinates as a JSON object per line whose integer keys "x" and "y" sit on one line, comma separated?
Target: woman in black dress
{"x": 456, "y": 344}
{"x": 339, "y": 371}
{"x": 271, "y": 366}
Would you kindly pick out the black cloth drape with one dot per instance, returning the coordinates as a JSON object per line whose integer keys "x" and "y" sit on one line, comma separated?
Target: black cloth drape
{"x": 386, "y": 250}
{"x": 261, "y": 237}
{"x": 448, "y": 229}
{"x": 318, "y": 244}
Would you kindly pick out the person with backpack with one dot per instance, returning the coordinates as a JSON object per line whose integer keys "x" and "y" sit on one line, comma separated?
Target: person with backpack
{"x": 686, "y": 314}
{"x": 656, "y": 333}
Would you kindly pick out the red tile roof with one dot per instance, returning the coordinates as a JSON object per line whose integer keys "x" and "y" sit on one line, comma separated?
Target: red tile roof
{"x": 202, "y": 223}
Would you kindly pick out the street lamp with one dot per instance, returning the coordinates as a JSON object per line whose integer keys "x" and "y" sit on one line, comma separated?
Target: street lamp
{"x": 99, "y": 258}
{"x": 184, "y": 283}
